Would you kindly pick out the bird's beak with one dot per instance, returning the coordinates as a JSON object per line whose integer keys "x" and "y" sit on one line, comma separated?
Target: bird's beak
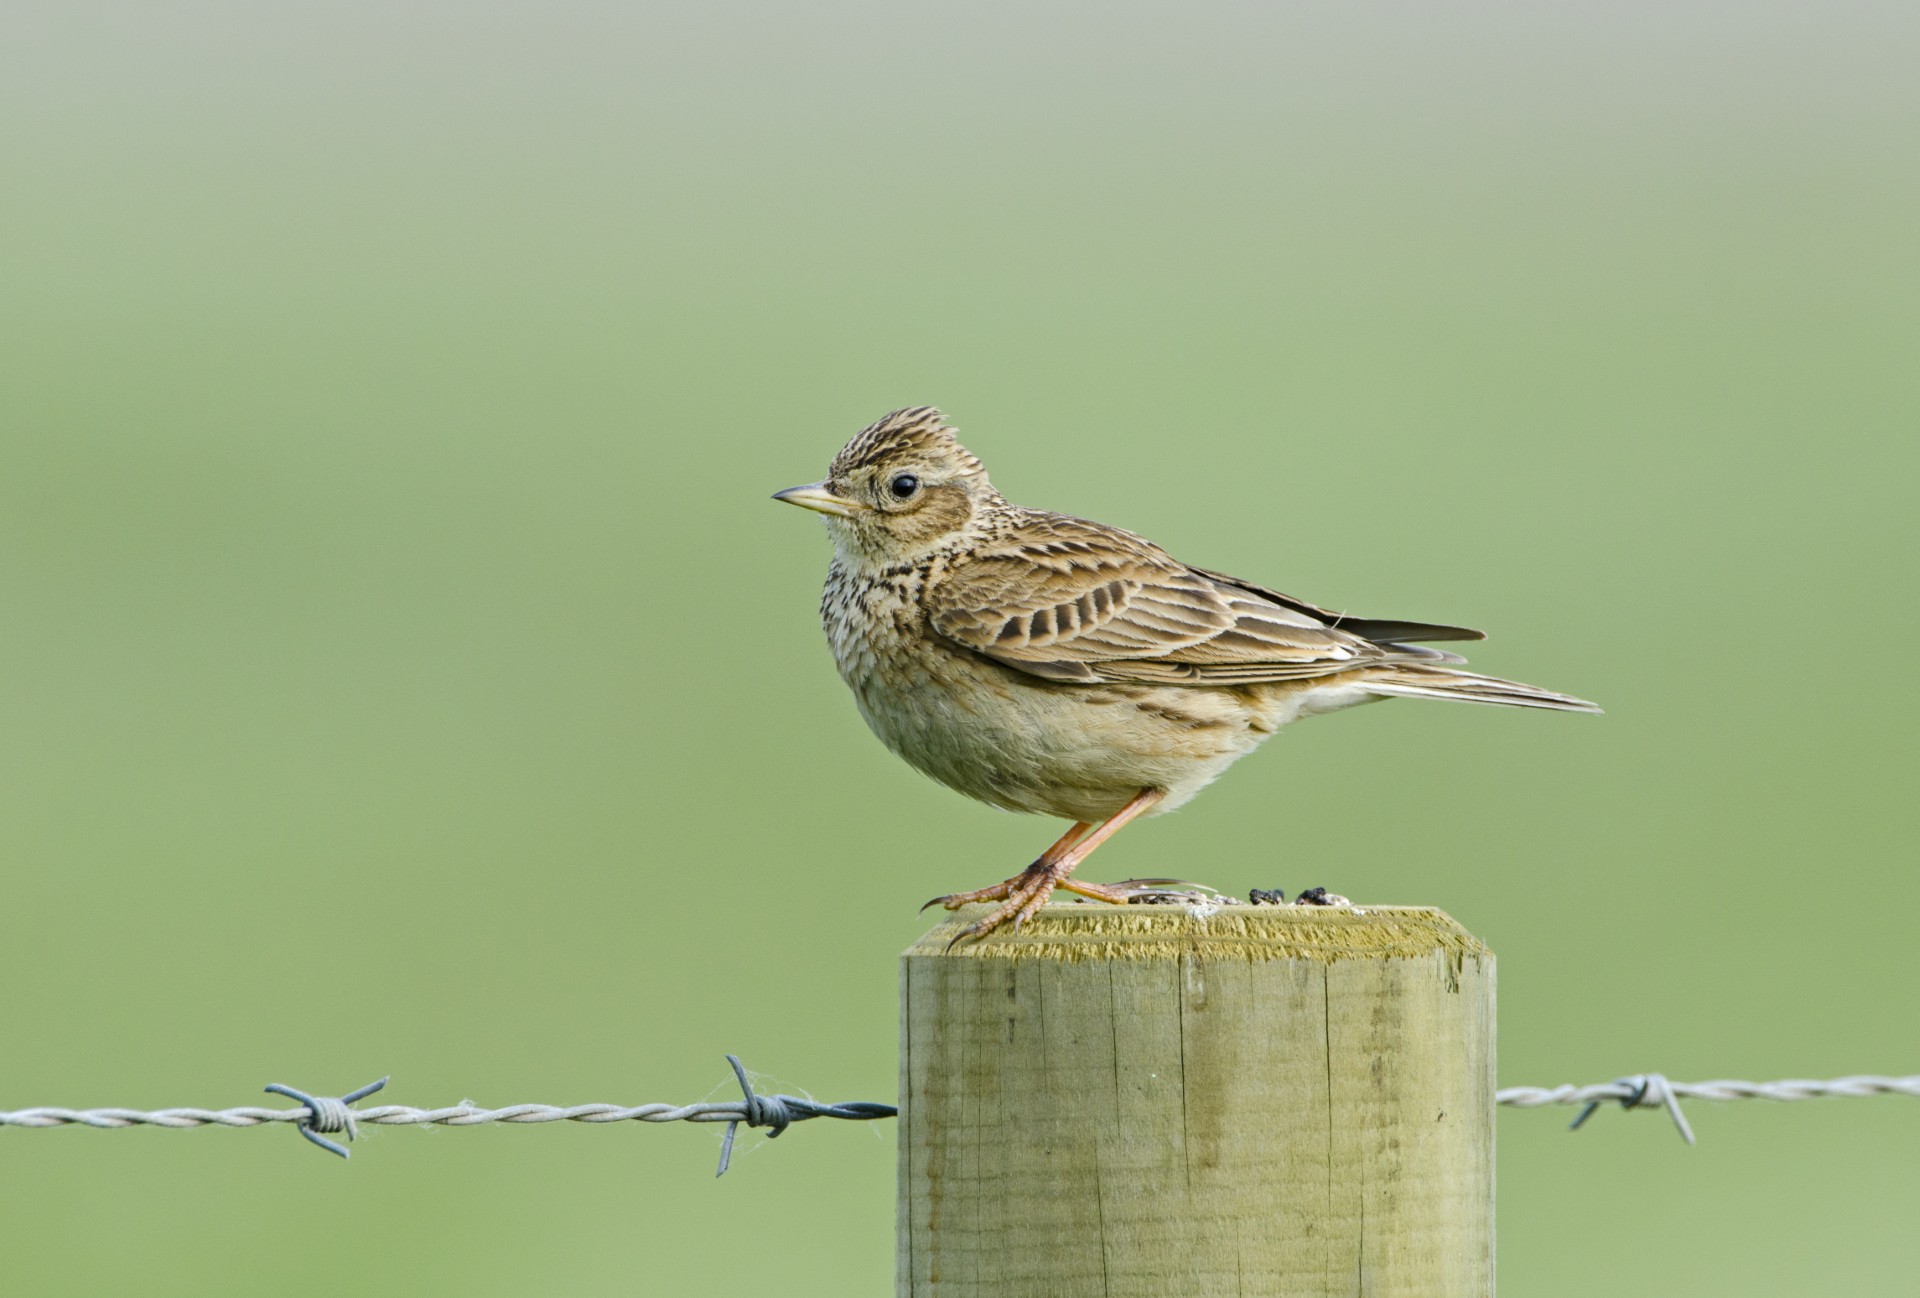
{"x": 817, "y": 497}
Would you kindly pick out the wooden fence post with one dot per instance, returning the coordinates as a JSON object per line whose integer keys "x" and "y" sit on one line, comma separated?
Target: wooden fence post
{"x": 1157, "y": 1102}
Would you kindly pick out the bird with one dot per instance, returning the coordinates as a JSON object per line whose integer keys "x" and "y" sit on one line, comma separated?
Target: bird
{"x": 1052, "y": 665}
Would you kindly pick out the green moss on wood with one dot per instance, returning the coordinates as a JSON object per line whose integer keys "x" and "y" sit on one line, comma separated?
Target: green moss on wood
{"x": 1081, "y": 932}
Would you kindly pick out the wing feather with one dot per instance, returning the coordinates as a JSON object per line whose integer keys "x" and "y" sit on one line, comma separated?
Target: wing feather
{"x": 1379, "y": 630}
{"x": 1067, "y": 599}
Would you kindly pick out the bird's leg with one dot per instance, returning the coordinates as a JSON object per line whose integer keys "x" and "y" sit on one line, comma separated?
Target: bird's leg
{"x": 1001, "y": 891}
{"x": 1029, "y": 891}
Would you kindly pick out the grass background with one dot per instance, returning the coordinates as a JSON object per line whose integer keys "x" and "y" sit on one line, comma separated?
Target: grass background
{"x": 404, "y": 671}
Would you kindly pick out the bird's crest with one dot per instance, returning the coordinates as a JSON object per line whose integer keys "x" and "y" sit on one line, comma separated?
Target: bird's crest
{"x": 919, "y": 429}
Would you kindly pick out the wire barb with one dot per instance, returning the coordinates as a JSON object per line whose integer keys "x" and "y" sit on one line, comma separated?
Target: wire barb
{"x": 329, "y": 1113}
{"x": 1645, "y": 1091}
{"x": 781, "y": 1111}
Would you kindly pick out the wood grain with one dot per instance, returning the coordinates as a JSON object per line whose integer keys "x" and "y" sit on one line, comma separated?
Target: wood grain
{"x": 1147, "y": 1101}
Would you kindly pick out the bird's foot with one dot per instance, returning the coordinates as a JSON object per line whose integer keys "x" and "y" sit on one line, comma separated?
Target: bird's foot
{"x": 1024, "y": 894}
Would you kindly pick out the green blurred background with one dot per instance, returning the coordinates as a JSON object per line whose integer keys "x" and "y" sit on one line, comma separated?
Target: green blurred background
{"x": 405, "y": 671}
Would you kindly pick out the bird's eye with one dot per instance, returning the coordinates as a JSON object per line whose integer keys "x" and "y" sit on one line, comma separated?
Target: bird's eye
{"x": 903, "y": 485}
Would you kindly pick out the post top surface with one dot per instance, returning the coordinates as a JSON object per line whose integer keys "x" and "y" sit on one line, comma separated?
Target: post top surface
{"x": 1075, "y": 932}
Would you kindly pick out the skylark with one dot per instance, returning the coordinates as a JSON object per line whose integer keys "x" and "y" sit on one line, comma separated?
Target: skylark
{"x": 1049, "y": 664}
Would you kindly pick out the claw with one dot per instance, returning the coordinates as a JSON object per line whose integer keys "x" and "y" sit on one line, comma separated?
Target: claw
{"x": 971, "y": 930}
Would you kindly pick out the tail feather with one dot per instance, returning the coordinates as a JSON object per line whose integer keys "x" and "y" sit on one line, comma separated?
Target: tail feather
{"x": 1419, "y": 681}
{"x": 1389, "y": 631}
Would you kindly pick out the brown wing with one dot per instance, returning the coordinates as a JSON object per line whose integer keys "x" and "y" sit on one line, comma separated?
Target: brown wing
{"x": 1072, "y": 600}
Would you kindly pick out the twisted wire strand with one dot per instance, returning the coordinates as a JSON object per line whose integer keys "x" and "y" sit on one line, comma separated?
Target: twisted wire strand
{"x": 326, "y": 1113}
{"x": 458, "y": 1115}
{"x": 1533, "y": 1097}
{"x": 1653, "y": 1091}
{"x": 318, "y": 1114}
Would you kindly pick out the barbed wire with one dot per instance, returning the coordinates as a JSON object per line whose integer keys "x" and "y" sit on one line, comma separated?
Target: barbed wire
{"x": 1653, "y": 1091}
{"x": 321, "y": 1116}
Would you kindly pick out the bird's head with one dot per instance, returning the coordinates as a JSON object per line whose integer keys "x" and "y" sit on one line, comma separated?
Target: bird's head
{"x": 899, "y": 489}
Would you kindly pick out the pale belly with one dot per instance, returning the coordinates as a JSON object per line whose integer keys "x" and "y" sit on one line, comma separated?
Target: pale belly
{"x": 1075, "y": 752}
